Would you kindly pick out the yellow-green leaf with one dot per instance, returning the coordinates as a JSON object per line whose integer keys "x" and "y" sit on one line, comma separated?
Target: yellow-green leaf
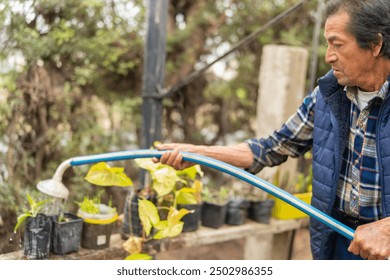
{"x": 161, "y": 225}
{"x": 140, "y": 257}
{"x": 176, "y": 229}
{"x": 21, "y": 219}
{"x": 172, "y": 226}
{"x": 198, "y": 186}
{"x": 169, "y": 231}
{"x": 148, "y": 215}
{"x": 186, "y": 196}
{"x": 164, "y": 180}
{"x": 174, "y": 215}
{"x": 191, "y": 172}
{"x": 147, "y": 164}
{"x": 102, "y": 174}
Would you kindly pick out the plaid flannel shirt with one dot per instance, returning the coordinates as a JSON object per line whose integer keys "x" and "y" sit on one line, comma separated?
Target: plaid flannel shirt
{"x": 359, "y": 189}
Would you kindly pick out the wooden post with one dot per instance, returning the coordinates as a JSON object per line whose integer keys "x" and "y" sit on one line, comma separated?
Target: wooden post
{"x": 281, "y": 91}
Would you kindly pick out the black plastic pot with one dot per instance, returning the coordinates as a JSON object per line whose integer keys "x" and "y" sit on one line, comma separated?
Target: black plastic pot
{"x": 213, "y": 215}
{"x": 131, "y": 222}
{"x": 37, "y": 237}
{"x": 191, "y": 220}
{"x": 237, "y": 211}
{"x": 260, "y": 211}
{"x": 66, "y": 235}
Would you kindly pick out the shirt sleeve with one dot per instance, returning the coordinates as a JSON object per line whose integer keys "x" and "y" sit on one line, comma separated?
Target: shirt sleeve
{"x": 293, "y": 139}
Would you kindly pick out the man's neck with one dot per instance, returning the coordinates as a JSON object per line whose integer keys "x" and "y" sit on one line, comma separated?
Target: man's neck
{"x": 375, "y": 79}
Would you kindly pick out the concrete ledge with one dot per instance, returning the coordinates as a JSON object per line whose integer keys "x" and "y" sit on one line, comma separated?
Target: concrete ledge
{"x": 249, "y": 241}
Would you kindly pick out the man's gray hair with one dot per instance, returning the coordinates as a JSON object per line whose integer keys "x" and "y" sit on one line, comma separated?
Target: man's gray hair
{"x": 369, "y": 21}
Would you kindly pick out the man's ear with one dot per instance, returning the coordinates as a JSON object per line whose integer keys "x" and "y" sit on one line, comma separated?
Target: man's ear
{"x": 376, "y": 48}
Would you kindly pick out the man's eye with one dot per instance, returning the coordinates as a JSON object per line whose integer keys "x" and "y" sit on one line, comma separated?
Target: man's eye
{"x": 337, "y": 45}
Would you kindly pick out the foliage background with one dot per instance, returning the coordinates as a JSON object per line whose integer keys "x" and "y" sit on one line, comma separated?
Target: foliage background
{"x": 71, "y": 77}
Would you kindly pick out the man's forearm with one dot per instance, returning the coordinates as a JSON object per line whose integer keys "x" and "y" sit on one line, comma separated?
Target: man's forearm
{"x": 239, "y": 155}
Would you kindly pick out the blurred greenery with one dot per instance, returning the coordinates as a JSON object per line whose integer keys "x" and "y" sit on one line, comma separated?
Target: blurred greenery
{"x": 71, "y": 77}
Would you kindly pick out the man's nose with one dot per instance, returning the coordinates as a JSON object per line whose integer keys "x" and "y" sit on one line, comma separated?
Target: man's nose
{"x": 330, "y": 56}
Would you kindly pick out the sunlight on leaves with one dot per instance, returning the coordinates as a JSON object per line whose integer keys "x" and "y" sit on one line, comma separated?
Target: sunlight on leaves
{"x": 148, "y": 215}
{"x": 164, "y": 180}
{"x": 102, "y": 174}
{"x": 172, "y": 226}
{"x": 191, "y": 172}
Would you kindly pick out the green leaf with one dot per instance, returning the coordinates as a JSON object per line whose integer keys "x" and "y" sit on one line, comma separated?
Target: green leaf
{"x": 148, "y": 215}
{"x": 168, "y": 231}
{"x": 164, "y": 180}
{"x": 191, "y": 172}
{"x": 102, "y": 174}
{"x": 37, "y": 206}
{"x": 21, "y": 219}
{"x": 161, "y": 225}
{"x": 147, "y": 164}
{"x": 88, "y": 206}
{"x": 143, "y": 257}
{"x": 174, "y": 215}
{"x": 172, "y": 226}
{"x": 176, "y": 229}
{"x": 30, "y": 200}
{"x": 186, "y": 196}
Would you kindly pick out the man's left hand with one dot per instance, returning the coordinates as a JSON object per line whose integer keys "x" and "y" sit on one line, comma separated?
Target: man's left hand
{"x": 372, "y": 241}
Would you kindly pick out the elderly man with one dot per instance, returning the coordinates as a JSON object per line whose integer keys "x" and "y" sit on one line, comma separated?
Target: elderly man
{"x": 345, "y": 121}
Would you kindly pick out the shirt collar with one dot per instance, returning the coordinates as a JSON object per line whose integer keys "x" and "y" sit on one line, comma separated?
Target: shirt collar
{"x": 352, "y": 92}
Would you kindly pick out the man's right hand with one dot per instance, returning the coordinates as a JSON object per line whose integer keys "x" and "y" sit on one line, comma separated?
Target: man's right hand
{"x": 173, "y": 157}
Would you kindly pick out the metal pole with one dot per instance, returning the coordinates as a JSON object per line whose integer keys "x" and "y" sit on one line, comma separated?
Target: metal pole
{"x": 154, "y": 64}
{"x": 315, "y": 43}
{"x": 153, "y": 76}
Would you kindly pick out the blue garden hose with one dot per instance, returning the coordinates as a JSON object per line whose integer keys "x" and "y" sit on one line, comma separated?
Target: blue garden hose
{"x": 228, "y": 169}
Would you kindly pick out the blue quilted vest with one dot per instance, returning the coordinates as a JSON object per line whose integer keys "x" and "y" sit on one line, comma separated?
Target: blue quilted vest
{"x": 330, "y": 136}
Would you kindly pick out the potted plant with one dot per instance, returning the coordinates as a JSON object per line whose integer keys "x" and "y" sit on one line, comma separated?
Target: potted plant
{"x": 214, "y": 207}
{"x": 188, "y": 196}
{"x": 154, "y": 207}
{"x": 98, "y": 223}
{"x": 261, "y": 206}
{"x": 66, "y": 234}
{"x": 301, "y": 189}
{"x": 160, "y": 181}
{"x": 237, "y": 209}
{"x": 153, "y": 229}
{"x": 38, "y": 227}
{"x": 99, "y": 218}
{"x": 173, "y": 188}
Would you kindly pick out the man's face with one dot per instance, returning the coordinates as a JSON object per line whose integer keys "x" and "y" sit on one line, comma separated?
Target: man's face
{"x": 350, "y": 63}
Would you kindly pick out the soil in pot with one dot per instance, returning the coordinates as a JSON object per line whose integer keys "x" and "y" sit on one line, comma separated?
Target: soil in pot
{"x": 237, "y": 211}
{"x": 260, "y": 211}
{"x": 66, "y": 235}
{"x": 191, "y": 220}
{"x": 37, "y": 237}
{"x": 213, "y": 215}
